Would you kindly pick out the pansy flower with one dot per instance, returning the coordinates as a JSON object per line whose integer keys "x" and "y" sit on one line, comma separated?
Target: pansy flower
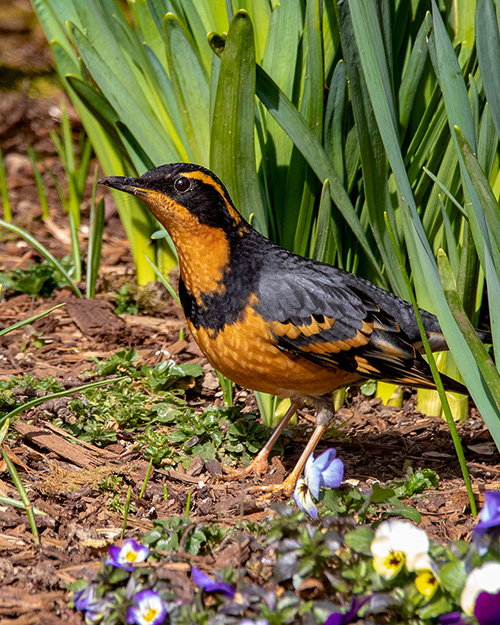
{"x": 397, "y": 544}
{"x": 86, "y": 601}
{"x": 337, "y": 618}
{"x": 84, "y": 598}
{"x": 124, "y": 557}
{"x": 452, "y": 618}
{"x": 148, "y": 609}
{"x": 481, "y": 594}
{"x": 427, "y": 581}
{"x": 327, "y": 470}
{"x": 488, "y": 527}
{"x": 210, "y": 585}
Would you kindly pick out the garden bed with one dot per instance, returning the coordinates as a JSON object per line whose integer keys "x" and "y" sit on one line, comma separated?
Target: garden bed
{"x": 81, "y": 487}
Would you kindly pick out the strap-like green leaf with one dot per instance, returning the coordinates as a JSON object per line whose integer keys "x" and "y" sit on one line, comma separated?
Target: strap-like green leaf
{"x": 232, "y": 151}
{"x": 190, "y": 84}
{"x": 483, "y": 361}
{"x": 297, "y": 129}
{"x": 452, "y": 83}
{"x": 45, "y": 252}
{"x": 488, "y": 54}
{"x": 132, "y": 107}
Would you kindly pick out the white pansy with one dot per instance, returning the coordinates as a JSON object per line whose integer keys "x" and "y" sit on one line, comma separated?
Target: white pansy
{"x": 486, "y": 578}
{"x": 399, "y": 543}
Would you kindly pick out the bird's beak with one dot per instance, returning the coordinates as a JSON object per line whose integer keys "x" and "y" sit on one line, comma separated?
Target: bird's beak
{"x": 124, "y": 183}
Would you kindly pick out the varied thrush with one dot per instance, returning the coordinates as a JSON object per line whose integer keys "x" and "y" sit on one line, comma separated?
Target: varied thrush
{"x": 271, "y": 320}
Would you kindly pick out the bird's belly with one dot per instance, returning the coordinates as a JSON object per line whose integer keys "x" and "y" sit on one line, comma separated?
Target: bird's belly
{"x": 246, "y": 352}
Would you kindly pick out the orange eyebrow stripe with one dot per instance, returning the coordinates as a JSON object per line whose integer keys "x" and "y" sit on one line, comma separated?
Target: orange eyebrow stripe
{"x": 206, "y": 179}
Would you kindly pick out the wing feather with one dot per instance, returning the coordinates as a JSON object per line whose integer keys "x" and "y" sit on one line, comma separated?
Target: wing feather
{"x": 324, "y": 315}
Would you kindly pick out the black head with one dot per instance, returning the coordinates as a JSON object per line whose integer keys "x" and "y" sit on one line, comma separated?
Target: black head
{"x": 170, "y": 190}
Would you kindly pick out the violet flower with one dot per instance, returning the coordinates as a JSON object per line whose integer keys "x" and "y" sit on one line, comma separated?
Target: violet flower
{"x": 337, "y": 618}
{"x": 148, "y": 609}
{"x": 86, "y": 601}
{"x": 126, "y": 556}
{"x": 481, "y": 594}
{"x": 327, "y": 470}
{"x": 487, "y": 608}
{"x": 210, "y": 585}
{"x": 85, "y": 597}
{"x": 488, "y": 527}
{"x": 452, "y": 618}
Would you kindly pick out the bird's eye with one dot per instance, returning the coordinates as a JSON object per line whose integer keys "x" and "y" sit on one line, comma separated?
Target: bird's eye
{"x": 182, "y": 184}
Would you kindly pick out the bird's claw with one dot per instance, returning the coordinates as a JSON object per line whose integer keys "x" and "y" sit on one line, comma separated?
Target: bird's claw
{"x": 259, "y": 466}
{"x": 285, "y": 488}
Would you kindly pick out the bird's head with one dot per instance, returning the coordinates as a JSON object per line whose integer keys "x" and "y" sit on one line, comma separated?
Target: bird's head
{"x": 181, "y": 195}
{"x": 196, "y": 210}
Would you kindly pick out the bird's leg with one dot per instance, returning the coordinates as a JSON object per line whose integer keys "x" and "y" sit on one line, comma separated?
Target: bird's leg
{"x": 259, "y": 463}
{"x": 323, "y": 421}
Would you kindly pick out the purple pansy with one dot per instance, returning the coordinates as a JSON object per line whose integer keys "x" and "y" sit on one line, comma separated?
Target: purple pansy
{"x": 84, "y": 598}
{"x": 350, "y": 616}
{"x": 452, "y": 618}
{"x": 148, "y": 609}
{"x": 86, "y": 601}
{"x": 327, "y": 470}
{"x": 481, "y": 593}
{"x": 487, "y": 608}
{"x": 126, "y": 556}
{"x": 488, "y": 527}
{"x": 210, "y": 585}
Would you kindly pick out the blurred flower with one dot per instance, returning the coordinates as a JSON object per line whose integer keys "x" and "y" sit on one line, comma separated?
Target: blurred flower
{"x": 350, "y": 616}
{"x": 210, "y": 585}
{"x": 303, "y": 498}
{"x": 149, "y": 609}
{"x": 488, "y": 527}
{"x": 327, "y": 470}
{"x": 487, "y": 608}
{"x": 427, "y": 581}
{"x": 481, "y": 594}
{"x": 249, "y": 621}
{"x": 83, "y": 598}
{"x": 398, "y": 543}
{"x": 452, "y": 618}
{"x": 86, "y": 601}
{"x": 96, "y": 613}
{"x": 124, "y": 557}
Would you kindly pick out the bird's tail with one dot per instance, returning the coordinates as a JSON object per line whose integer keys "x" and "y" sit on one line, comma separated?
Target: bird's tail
{"x": 420, "y": 376}
{"x": 452, "y": 386}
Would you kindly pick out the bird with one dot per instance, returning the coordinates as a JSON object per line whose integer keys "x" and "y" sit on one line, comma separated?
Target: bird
{"x": 273, "y": 321}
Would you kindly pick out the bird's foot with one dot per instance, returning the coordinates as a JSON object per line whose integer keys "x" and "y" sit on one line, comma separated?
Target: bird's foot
{"x": 258, "y": 466}
{"x": 285, "y": 488}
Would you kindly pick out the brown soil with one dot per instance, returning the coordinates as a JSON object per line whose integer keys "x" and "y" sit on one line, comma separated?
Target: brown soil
{"x": 375, "y": 442}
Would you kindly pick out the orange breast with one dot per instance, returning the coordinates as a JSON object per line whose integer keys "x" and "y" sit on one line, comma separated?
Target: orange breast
{"x": 246, "y": 352}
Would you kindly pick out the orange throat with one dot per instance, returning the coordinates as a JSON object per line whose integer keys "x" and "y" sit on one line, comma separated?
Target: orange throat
{"x": 203, "y": 259}
{"x": 203, "y": 250}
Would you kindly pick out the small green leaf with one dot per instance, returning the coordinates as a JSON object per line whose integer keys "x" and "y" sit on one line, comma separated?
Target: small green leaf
{"x": 360, "y": 540}
{"x": 380, "y": 494}
{"x": 452, "y": 577}
{"x": 406, "y": 511}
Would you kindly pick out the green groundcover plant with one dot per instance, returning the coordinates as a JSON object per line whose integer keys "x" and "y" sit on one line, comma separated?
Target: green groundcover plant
{"x": 386, "y": 572}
